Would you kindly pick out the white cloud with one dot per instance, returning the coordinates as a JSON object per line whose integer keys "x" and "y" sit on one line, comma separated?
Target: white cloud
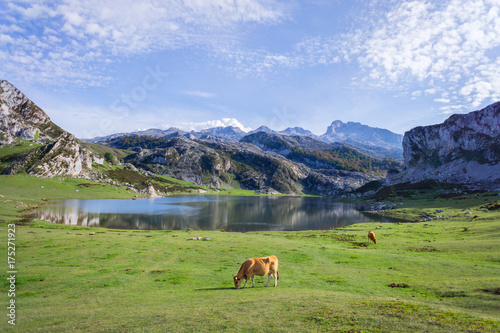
{"x": 412, "y": 45}
{"x": 449, "y": 109}
{"x": 442, "y": 43}
{"x": 95, "y": 30}
{"x": 224, "y": 122}
{"x": 418, "y": 40}
{"x": 6, "y": 39}
{"x": 415, "y": 44}
{"x": 485, "y": 86}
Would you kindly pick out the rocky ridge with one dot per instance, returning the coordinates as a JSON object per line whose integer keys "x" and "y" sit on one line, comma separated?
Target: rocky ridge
{"x": 60, "y": 153}
{"x": 63, "y": 157}
{"x": 225, "y": 164}
{"x": 21, "y": 118}
{"x": 375, "y": 142}
{"x": 463, "y": 149}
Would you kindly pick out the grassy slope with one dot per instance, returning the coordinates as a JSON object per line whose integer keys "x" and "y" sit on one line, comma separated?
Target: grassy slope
{"x": 101, "y": 150}
{"x": 135, "y": 281}
{"x": 20, "y": 146}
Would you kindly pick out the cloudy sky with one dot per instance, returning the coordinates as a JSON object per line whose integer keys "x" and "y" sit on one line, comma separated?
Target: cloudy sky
{"x": 104, "y": 66}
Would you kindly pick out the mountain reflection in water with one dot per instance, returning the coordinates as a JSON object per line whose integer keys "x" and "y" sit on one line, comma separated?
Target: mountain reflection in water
{"x": 207, "y": 212}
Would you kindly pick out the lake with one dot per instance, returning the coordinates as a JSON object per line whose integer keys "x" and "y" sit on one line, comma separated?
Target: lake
{"x": 208, "y": 212}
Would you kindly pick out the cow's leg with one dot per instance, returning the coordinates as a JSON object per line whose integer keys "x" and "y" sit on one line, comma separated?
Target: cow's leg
{"x": 275, "y": 279}
{"x": 253, "y": 282}
{"x": 246, "y": 281}
{"x": 269, "y": 279}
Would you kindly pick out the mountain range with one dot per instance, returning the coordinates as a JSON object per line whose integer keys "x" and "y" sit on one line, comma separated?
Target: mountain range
{"x": 376, "y": 142}
{"x": 464, "y": 149}
{"x": 210, "y": 157}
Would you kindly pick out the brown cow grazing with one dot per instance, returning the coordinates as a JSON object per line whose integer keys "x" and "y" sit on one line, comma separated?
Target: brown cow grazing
{"x": 371, "y": 237}
{"x": 257, "y": 266}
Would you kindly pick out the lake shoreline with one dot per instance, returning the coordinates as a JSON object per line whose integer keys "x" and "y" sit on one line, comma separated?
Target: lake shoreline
{"x": 231, "y": 213}
{"x": 71, "y": 277}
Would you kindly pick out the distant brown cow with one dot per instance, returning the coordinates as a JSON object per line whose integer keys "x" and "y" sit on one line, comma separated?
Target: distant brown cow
{"x": 371, "y": 237}
{"x": 257, "y": 266}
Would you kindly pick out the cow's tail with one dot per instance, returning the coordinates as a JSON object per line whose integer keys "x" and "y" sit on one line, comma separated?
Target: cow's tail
{"x": 277, "y": 276}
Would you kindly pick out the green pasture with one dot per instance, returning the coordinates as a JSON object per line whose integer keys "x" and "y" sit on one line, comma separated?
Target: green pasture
{"x": 441, "y": 275}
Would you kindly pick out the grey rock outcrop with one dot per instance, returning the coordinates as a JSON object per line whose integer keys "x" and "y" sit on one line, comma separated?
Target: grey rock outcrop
{"x": 464, "y": 149}
{"x": 21, "y": 118}
{"x": 61, "y": 154}
{"x": 226, "y": 164}
{"x": 63, "y": 157}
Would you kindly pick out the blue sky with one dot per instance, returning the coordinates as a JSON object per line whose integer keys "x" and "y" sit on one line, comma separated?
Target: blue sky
{"x": 104, "y": 66}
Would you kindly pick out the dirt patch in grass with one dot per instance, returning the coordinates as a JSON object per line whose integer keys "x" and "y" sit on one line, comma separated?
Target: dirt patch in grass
{"x": 158, "y": 271}
{"x": 358, "y": 244}
{"x": 25, "y": 219}
{"x": 493, "y": 291}
{"x": 399, "y": 285}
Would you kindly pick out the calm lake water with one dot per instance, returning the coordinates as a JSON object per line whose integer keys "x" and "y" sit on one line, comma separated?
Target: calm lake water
{"x": 208, "y": 212}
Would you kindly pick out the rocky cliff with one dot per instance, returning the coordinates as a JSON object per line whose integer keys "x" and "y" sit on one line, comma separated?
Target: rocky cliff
{"x": 464, "y": 149}
{"x": 21, "y": 118}
{"x": 62, "y": 157}
{"x": 60, "y": 153}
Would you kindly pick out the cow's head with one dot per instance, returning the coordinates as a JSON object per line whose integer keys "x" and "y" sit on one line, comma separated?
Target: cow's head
{"x": 237, "y": 282}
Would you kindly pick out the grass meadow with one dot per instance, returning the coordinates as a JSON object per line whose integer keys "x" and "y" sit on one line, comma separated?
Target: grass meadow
{"x": 441, "y": 275}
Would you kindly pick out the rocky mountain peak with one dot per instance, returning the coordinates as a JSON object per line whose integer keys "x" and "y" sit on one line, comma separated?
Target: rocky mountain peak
{"x": 335, "y": 124}
{"x": 10, "y": 96}
{"x": 361, "y": 134}
{"x": 297, "y": 131}
{"x": 262, "y": 129}
{"x": 60, "y": 154}
{"x": 20, "y": 117}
